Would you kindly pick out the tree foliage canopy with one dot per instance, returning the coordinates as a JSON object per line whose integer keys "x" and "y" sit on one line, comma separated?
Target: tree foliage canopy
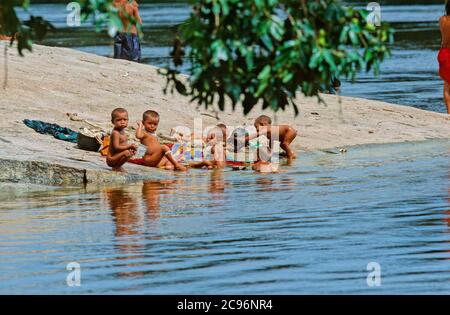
{"x": 266, "y": 50}
{"x": 24, "y": 32}
{"x": 248, "y": 51}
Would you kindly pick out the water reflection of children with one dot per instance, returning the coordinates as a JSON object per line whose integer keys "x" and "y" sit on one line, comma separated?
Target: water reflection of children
{"x": 152, "y": 191}
{"x": 216, "y": 183}
{"x": 150, "y": 195}
{"x": 124, "y": 209}
{"x": 130, "y": 224}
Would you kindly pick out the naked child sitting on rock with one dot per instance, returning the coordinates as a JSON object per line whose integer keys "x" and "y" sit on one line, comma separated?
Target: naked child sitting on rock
{"x": 119, "y": 150}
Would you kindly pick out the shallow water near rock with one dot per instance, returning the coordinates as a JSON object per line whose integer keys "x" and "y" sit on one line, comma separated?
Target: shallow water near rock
{"x": 312, "y": 228}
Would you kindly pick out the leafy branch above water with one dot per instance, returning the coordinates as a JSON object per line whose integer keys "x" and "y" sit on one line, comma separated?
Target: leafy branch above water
{"x": 266, "y": 50}
{"x": 24, "y": 32}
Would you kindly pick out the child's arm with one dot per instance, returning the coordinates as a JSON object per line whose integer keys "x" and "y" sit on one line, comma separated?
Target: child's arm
{"x": 219, "y": 156}
{"x": 211, "y": 139}
{"x": 251, "y": 136}
{"x": 140, "y": 131}
{"x": 256, "y": 135}
{"x": 115, "y": 143}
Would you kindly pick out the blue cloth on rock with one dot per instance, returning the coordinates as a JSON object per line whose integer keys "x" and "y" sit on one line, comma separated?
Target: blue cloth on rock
{"x": 61, "y": 133}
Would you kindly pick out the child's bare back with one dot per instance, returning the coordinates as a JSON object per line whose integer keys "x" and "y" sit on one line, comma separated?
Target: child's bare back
{"x": 283, "y": 133}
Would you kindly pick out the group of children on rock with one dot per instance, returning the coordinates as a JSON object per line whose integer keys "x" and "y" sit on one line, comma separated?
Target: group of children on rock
{"x": 159, "y": 155}
{"x": 155, "y": 154}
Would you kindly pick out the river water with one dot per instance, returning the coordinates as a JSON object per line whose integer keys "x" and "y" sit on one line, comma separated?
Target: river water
{"x": 409, "y": 77}
{"x": 313, "y": 228}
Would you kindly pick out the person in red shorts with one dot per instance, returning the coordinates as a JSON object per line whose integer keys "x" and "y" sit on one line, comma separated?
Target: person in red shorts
{"x": 444, "y": 54}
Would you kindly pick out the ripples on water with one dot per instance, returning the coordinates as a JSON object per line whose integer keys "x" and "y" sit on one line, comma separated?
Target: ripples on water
{"x": 410, "y": 77}
{"x": 313, "y": 228}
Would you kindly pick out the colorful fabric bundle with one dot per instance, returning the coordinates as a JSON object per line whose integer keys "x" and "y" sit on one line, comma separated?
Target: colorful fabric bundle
{"x": 105, "y": 146}
{"x": 186, "y": 152}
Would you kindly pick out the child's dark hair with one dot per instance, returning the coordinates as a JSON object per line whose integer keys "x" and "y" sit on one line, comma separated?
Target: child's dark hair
{"x": 223, "y": 128}
{"x": 151, "y": 114}
{"x": 447, "y": 7}
{"x": 264, "y": 119}
{"x": 117, "y": 111}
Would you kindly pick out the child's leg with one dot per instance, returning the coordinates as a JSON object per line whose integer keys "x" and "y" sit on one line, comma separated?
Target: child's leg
{"x": 165, "y": 164}
{"x": 257, "y": 165}
{"x": 159, "y": 157}
{"x": 219, "y": 156}
{"x": 264, "y": 154}
{"x": 220, "y": 164}
{"x": 154, "y": 158}
{"x": 119, "y": 159}
{"x": 265, "y": 167}
{"x": 168, "y": 156}
{"x": 220, "y": 160}
{"x": 291, "y": 133}
{"x": 201, "y": 164}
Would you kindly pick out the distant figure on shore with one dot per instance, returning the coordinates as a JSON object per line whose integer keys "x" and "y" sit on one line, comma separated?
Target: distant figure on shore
{"x": 444, "y": 54}
{"x": 126, "y": 42}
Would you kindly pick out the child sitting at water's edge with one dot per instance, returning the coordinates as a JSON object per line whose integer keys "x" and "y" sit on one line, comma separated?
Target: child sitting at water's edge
{"x": 119, "y": 151}
{"x": 216, "y": 141}
{"x": 156, "y": 155}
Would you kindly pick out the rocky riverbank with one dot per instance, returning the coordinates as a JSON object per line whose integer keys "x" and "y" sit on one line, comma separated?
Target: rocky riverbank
{"x": 51, "y": 82}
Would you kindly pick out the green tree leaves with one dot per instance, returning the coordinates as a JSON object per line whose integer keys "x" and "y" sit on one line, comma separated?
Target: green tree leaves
{"x": 264, "y": 51}
{"x": 248, "y": 51}
{"x": 24, "y": 32}
{"x": 102, "y": 12}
